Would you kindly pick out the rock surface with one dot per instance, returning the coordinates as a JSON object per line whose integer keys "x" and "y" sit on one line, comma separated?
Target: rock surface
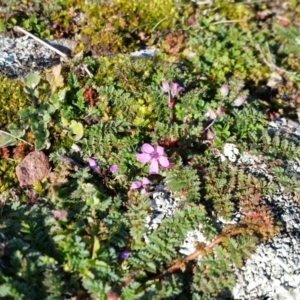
{"x": 20, "y": 56}
{"x": 273, "y": 271}
{"x": 34, "y": 167}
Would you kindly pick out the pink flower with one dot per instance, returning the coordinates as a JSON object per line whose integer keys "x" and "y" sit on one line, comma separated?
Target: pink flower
{"x": 114, "y": 168}
{"x": 191, "y": 54}
{"x": 165, "y": 87}
{"x": 211, "y": 114}
{"x": 220, "y": 111}
{"x": 154, "y": 157}
{"x": 59, "y": 214}
{"x": 141, "y": 185}
{"x": 173, "y": 89}
{"x": 93, "y": 164}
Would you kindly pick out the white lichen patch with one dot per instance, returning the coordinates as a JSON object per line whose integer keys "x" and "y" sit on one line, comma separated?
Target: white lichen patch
{"x": 272, "y": 272}
{"x": 230, "y": 152}
{"x": 192, "y": 239}
{"x": 163, "y": 205}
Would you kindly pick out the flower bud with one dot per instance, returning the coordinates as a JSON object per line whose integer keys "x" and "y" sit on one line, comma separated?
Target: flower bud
{"x": 224, "y": 90}
{"x": 93, "y": 164}
{"x": 239, "y": 101}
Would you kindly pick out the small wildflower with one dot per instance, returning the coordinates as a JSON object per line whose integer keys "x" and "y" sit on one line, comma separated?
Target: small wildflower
{"x": 124, "y": 254}
{"x": 191, "y": 54}
{"x": 165, "y": 87}
{"x": 136, "y": 185}
{"x": 211, "y": 114}
{"x": 154, "y": 157}
{"x": 173, "y": 89}
{"x": 59, "y": 214}
{"x": 114, "y": 168}
{"x": 93, "y": 164}
{"x": 141, "y": 185}
{"x": 224, "y": 90}
{"x": 220, "y": 111}
{"x": 209, "y": 136}
{"x": 239, "y": 101}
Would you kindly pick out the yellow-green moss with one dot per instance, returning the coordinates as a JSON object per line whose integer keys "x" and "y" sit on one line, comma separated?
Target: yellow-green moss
{"x": 12, "y": 98}
{"x": 133, "y": 77}
{"x": 235, "y": 11}
{"x": 60, "y": 139}
{"x": 8, "y": 178}
{"x": 112, "y": 27}
{"x": 160, "y": 13}
{"x": 128, "y": 73}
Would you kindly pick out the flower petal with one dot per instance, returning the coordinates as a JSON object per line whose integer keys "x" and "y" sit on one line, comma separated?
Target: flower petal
{"x": 165, "y": 87}
{"x": 224, "y": 90}
{"x": 59, "y": 214}
{"x": 211, "y": 114}
{"x": 143, "y": 191}
{"x": 125, "y": 254}
{"x": 147, "y": 148}
{"x": 143, "y": 157}
{"x": 135, "y": 185}
{"x": 175, "y": 89}
{"x": 160, "y": 150}
{"x": 145, "y": 180}
{"x": 93, "y": 163}
{"x": 153, "y": 167}
{"x": 114, "y": 168}
{"x": 164, "y": 161}
{"x": 239, "y": 101}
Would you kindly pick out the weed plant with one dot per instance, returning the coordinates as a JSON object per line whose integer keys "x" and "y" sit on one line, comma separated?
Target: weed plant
{"x": 136, "y": 151}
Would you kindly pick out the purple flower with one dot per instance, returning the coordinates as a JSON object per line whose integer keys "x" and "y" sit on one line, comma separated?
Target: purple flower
{"x": 93, "y": 164}
{"x": 141, "y": 185}
{"x": 114, "y": 168}
{"x": 124, "y": 254}
{"x": 173, "y": 89}
{"x": 154, "y": 157}
{"x": 224, "y": 90}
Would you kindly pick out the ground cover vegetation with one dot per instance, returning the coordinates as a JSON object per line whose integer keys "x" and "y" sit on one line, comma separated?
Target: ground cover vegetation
{"x": 139, "y": 123}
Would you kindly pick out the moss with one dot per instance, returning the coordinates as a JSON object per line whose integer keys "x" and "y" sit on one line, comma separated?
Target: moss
{"x": 8, "y": 178}
{"x": 131, "y": 79}
{"x": 12, "y": 98}
{"x": 60, "y": 140}
{"x": 131, "y": 74}
{"x": 235, "y": 11}
{"x": 115, "y": 27}
{"x": 149, "y": 13}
